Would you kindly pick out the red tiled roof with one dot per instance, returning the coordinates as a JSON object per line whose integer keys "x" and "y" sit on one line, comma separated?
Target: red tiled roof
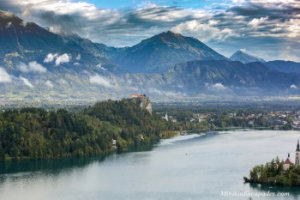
{"x": 287, "y": 161}
{"x": 136, "y": 95}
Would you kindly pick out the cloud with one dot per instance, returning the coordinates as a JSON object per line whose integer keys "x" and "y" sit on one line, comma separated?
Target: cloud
{"x": 293, "y": 86}
{"x": 49, "y": 84}
{"x": 218, "y": 86}
{"x": 8, "y": 25}
{"x": 59, "y": 59}
{"x": 64, "y": 58}
{"x": 4, "y": 76}
{"x": 26, "y": 82}
{"x": 32, "y": 67}
{"x": 100, "y": 80}
{"x": 202, "y": 31}
{"x": 100, "y": 67}
{"x": 255, "y": 22}
{"x": 50, "y": 57}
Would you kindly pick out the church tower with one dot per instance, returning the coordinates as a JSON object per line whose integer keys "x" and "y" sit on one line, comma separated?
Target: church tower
{"x": 297, "y": 162}
{"x": 166, "y": 117}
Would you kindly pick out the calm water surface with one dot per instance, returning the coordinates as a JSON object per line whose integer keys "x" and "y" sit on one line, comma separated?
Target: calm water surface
{"x": 184, "y": 167}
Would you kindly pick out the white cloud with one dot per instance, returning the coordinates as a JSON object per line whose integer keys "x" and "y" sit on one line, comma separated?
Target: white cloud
{"x": 49, "y": 84}
{"x": 100, "y": 67}
{"x": 78, "y": 57}
{"x": 36, "y": 67}
{"x": 22, "y": 67}
{"x": 100, "y": 80}
{"x": 26, "y": 82}
{"x": 8, "y": 25}
{"x": 50, "y": 57}
{"x": 202, "y": 31}
{"x": 32, "y": 67}
{"x": 219, "y": 86}
{"x": 64, "y": 58}
{"x": 4, "y": 76}
{"x": 293, "y": 86}
{"x": 59, "y": 59}
{"x": 257, "y": 21}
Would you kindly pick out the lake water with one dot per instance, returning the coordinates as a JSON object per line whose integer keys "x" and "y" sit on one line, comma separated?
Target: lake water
{"x": 185, "y": 167}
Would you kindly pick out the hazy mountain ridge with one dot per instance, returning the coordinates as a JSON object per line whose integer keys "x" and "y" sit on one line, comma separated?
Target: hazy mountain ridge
{"x": 222, "y": 75}
{"x": 38, "y": 64}
{"x": 284, "y": 66}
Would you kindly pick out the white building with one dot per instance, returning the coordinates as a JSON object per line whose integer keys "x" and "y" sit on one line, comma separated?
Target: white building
{"x": 166, "y": 117}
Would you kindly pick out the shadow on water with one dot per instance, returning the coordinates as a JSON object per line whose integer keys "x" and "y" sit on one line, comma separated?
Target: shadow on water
{"x": 47, "y": 166}
{"x": 291, "y": 191}
{"x": 56, "y": 166}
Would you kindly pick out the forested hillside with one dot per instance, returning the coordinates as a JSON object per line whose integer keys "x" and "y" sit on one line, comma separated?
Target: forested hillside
{"x": 32, "y": 133}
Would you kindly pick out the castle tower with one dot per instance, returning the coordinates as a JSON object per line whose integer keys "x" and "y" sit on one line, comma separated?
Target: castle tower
{"x": 297, "y": 162}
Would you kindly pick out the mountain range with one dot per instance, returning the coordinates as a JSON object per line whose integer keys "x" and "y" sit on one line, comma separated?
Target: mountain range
{"x": 36, "y": 64}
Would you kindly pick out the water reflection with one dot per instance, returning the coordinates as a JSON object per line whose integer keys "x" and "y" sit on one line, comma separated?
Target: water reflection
{"x": 18, "y": 170}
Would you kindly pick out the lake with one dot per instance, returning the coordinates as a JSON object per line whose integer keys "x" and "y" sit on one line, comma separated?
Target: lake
{"x": 185, "y": 167}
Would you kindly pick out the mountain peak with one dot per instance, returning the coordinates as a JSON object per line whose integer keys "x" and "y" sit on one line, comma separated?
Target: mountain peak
{"x": 7, "y": 19}
{"x": 244, "y": 57}
{"x": 5, "y": 14}
{"x": 169, "y": 34}
{"x": 161, "y": 52}
{"x": 167, "y": 37}
{"x": 241, "y": 51}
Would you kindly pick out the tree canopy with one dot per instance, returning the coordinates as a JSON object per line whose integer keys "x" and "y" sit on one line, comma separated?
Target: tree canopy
{"x": 35, "y": 133}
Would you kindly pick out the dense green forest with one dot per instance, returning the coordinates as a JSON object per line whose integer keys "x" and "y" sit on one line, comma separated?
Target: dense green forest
{"x": 272, "y": 173}
{"x": 35, "y": 133}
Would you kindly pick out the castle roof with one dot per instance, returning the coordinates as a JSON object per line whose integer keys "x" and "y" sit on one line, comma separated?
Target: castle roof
{"x": 137, "y": 95}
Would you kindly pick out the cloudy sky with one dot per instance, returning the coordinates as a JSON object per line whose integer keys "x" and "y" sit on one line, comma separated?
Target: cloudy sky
{"x": 266, "y": 28}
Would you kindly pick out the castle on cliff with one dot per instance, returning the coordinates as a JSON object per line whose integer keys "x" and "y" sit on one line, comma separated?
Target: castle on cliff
{"x": 143, "y": 101}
